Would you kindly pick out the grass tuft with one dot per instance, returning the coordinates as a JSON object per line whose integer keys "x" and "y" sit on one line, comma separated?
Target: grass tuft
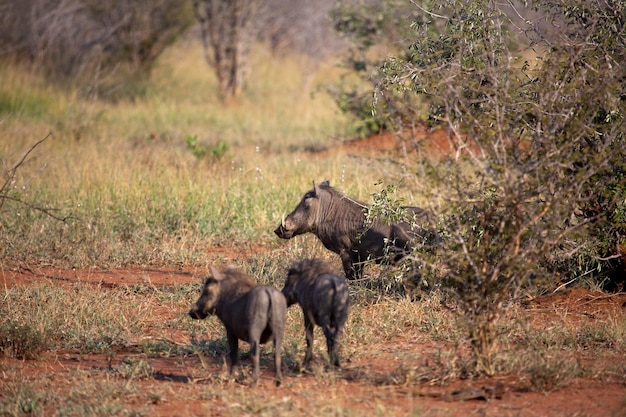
{"x": 21, "y": 341}
{"x": 552, "y": 373}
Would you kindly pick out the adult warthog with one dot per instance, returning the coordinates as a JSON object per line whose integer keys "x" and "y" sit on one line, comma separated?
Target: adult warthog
{"x": 249, "y": 312}
{"x": 324, "y": 299}
{"x": 341, "y": 224}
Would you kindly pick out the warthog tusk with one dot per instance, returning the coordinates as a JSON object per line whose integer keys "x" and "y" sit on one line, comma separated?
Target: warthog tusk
{"x": 282, "y": 221}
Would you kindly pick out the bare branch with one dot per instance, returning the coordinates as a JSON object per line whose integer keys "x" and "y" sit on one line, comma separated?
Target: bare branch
{"x": 10, "y": 174}
{"x": 47, "y": 212}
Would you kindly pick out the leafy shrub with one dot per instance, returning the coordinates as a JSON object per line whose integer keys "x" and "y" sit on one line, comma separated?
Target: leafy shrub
{"x": 352, "y": 101}
{"x": 540, "y": 152}
{"x": 366, "y": 26}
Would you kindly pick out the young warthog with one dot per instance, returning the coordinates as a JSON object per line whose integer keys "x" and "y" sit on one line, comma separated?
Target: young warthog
{"x": 340, "y": 223}
{"x": 249, "y": 312}
{"x": 324, "y": 299}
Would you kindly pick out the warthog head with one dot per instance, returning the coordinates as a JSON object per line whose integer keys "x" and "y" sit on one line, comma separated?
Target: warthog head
{"x": 303, "y": 218}
{"x": 207, "y": 302}
{"x": 289, "y": 290}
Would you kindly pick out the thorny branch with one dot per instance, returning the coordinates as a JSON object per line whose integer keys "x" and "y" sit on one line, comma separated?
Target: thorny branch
{"x": 10, "y": 175}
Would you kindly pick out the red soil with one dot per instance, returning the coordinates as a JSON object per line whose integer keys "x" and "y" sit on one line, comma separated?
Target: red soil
{"x": 434, "y": 142}
{"x": 360, "y": 386}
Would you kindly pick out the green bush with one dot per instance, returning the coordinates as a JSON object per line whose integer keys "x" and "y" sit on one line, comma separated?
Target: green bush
{"x": 537, "y": 178}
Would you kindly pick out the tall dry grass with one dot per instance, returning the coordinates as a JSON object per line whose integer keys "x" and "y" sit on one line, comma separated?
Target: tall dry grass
{"x": 128, "y": 181}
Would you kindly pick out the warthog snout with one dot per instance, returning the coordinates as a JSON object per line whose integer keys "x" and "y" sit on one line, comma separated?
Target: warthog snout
{"x": 281, "y": 229}
{"x": 195, "y": 314}
{"x": 282, "y": 232}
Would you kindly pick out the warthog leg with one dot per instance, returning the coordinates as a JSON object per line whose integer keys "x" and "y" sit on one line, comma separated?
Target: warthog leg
{"x": 254, "y": 353}
{"x": 278, "y": 347}
{"x": 308, "y": 330}
{"x": 331, "y": 345}
{"x": 233, "y": 344}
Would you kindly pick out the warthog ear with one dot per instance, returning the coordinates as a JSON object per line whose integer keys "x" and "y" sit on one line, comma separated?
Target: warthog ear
{"x": 216, "y": 274}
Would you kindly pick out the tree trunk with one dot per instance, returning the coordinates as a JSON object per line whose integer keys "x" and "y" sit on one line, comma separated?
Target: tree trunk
{"x": 227, "y": 35}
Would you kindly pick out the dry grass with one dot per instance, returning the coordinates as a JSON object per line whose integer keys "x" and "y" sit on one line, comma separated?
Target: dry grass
{"x": 132, "y": 188}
